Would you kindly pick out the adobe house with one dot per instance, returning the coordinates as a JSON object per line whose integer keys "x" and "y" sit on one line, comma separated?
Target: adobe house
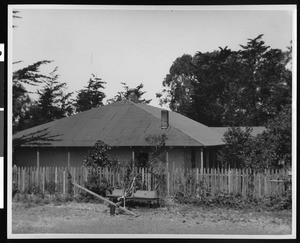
{"x": 124, "y": 125}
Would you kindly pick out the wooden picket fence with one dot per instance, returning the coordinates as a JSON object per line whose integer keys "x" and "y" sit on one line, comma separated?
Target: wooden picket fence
{"x": 237, "y": 181}
{"x": 187, "y": 181}
{"x": 55, "y": 179}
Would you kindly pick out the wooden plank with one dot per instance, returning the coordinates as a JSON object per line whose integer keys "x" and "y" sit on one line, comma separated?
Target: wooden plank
{"x": 23, "y": 179}
{"x": 104, "y": 199}
{"x": 259, "y": 184}
{"x": 243, "y": 182}
{"x": 55, "y": 178}
{"x": 197, "y": 181}
{"x": 18, "y": 178}
{"x": 168, "y": 185}
{"x": 236, "y": 180}
{"x": 214, "y": 181}
{"x": 64, "y": 182}
{"x": 43, "y": 179}
{"x": 229, "y": 181}
{"x": 143, "y": 178}
{"x": 149, "y": 180}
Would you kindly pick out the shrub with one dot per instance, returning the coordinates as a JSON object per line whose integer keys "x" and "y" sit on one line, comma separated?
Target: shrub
{"x": 34, "y": 190}
{"x": 280, "y": 202}
{"x": 50, "y": 187}
{"x": 229, "y": 200}
{"x": 97, "y": 185}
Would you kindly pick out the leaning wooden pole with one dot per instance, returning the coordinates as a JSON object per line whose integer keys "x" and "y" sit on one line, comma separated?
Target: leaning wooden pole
{"x": 104, "y": 199}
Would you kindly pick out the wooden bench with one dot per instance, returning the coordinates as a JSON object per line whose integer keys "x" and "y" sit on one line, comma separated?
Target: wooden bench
{"x": 139, "y": 195}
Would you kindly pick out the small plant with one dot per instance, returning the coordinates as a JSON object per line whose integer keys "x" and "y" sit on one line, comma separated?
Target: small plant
{"x": 157, "y": 163}
{"x": 15, "y": 190}
{"x": 98, "y": 156}
{"x": 96, "y": 159}
{"x": 35, "y": 191}
{"x": 70, "y": 186}
{"x": 50, "y": 187}
{"x": 236, "y": 201}
{"x": 280, "y": 202}
{"x": 97, "y": 185}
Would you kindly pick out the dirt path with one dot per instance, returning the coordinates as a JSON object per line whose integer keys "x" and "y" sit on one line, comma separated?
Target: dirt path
{"x": 179, "y": 219}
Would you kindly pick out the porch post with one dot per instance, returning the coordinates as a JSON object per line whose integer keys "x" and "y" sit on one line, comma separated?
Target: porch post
{"x": 133, "y": 158}
{"x": 207, "y": 158}
{"x": 201, "y": 161}
{"x": 38, "y": 158}
{"x": 69, "y": 160}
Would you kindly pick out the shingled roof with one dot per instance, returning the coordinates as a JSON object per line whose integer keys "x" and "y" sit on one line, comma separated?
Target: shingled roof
{"x": 123, "y": 123}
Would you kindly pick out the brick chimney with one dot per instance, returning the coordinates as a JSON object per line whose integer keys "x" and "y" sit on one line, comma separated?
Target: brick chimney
{"x": 132, "y": 96}
{"x": 164, "y": 119}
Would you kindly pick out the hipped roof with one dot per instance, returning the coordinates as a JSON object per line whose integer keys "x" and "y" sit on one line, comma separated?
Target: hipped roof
{"x": 123, "y": 123}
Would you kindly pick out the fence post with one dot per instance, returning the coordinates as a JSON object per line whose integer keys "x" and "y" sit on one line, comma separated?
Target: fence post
{"x": 23, "y": 178}
{"x": 55, "y": 178}
{"x": 64, "y": 182}
{"x": 167, "y": 168}
{"x": 74, "y": 180}
{"x": 259, "y": 185}
{"x": 229, "y": 182}
{"x": 43, "y": 179}
{"x": 215, "y": 181}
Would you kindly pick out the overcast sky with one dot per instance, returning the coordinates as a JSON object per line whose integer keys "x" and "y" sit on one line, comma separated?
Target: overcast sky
{"x": 135, "y": 46}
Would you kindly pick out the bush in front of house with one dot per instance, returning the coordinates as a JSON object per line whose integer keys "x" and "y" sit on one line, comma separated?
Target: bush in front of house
{"x": 270, "y": 149}
{"x": 280, "y": 202}
{"x": 237, "y": 201}
{"x": 94, "y": 161}
{"x": 35, "y": 196}
{"x": 97, "y": 185}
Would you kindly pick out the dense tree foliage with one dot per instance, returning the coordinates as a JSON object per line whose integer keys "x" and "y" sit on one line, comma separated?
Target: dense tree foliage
{"x": 133, "y": 94}
{"x": 98, "y": 156}
{"x": 52, "y": 104}
{"x": 179, "y": 81}
{"x": 91, "y": 96}
{"x": 22, "y": 102}
{"x": 230, "y": 88}
{"x": 271, "y": 149}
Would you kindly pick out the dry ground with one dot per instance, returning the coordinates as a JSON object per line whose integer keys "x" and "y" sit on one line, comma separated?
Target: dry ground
{"x": 88, "y": 218}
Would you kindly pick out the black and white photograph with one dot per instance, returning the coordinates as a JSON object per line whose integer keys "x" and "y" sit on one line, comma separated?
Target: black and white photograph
{"x": 151, "y": 121}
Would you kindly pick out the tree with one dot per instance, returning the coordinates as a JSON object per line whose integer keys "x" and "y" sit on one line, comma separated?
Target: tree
{"x": 230, "y": 88}
{"x": 271, "y": 149}
{"x": 177, "y": 84}
{"x": 98, "y": 156}
{"x": 215, "y": 88}
{"x": 279, "y": 137}
{"x": 91, "y": 96}
{"x": 52, "y": 103}
{"x": 94, "y": 161}
{"x": 236, "y": 147}
{"x": 133, "y": 94}
{"x": 22, "y": 102}
{"x": 16, "y": 16}
{"x": 266, "y": 82}
{"x": 29, "y": 75}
